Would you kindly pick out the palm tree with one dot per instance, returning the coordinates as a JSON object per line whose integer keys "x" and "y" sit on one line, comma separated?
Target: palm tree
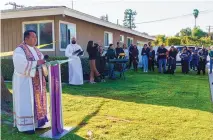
{"x": 195, "y": 13}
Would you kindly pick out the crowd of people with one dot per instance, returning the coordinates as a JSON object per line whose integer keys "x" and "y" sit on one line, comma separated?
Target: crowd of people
{"x": 166, "y": 59}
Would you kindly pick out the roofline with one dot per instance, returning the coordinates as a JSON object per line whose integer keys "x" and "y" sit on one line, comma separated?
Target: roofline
{"x": 71, "y": 13}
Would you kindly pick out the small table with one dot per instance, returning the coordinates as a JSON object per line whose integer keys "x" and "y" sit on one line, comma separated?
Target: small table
{"x": 118, "y": 62}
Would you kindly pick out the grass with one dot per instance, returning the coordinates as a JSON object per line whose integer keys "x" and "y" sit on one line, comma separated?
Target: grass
{"x": 142, "y": 107}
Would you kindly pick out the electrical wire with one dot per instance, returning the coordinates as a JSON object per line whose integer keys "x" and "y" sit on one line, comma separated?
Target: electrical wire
{"x": 186, "y": 15}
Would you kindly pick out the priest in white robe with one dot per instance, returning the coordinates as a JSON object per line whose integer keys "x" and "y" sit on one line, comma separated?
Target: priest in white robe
{"x": 29, "y": 86}
{"x": 75, "y": 67}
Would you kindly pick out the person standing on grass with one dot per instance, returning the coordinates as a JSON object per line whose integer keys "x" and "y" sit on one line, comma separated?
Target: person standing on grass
{"x": 211, "y": 59}
{"x": 135, "y": 59}
{"x": 30, "y": 109}
{"x": 101, "y": 62}
{"x": 172, "y": 60}
{"x": 111, "y": 55}
{"x": 131, "y": 47}
{"x": 185, "y": 61}
{"x": 145, "y": 55}
{"x": 195, "y": 59}
{"x": 203, "y": 53}
{"x": 162, "y": 51}
{"x": 189, "y": 51}
{"x": 92, "y": 50}
{"x": 151, "y": 63}
{"x": 75, "y": 67}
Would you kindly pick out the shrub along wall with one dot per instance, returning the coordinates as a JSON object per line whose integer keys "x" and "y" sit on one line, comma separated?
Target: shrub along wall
{"x": 7, "y": 68}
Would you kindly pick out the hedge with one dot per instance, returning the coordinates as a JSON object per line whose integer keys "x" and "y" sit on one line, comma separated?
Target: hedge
{"x": 7, "y": 68}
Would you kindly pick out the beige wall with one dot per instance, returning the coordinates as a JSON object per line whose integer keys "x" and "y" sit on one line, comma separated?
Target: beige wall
{"x": 12, "y": 35}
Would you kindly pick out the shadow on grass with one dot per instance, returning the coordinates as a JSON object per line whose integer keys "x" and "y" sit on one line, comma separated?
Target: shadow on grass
{"x": 179, "y": 90}
{"x": 84, "y": 122}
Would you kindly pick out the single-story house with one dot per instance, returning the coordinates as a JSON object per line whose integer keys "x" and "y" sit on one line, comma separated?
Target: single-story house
{"x": 59, "y": 23}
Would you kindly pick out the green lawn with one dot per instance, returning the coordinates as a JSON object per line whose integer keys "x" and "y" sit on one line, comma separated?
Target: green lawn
{"x": 142, "y": 107}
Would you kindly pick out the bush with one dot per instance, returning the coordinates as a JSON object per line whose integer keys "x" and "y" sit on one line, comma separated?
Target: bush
{"x": 7, "y": 68}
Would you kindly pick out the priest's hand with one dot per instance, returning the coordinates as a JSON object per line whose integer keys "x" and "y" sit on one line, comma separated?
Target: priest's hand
{"x": 40, "y": 62}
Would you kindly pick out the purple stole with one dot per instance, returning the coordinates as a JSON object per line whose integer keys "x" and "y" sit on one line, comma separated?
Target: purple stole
{"x": 40, "y": 104}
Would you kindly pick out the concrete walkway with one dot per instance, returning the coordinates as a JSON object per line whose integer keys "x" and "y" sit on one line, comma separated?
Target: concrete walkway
{"x": 210, "y": 82}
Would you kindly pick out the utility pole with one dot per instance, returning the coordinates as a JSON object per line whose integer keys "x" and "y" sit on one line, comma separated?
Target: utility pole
{"x": 15, "y": 6}
{"x": 209, "y": 29}
{"x": 72, "y": 4}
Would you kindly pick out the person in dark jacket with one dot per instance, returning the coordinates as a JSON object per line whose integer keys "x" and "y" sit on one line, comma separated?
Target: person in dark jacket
{"x": 151, "y": 63}
{"x": 111, "y": 55}
{"x": 162, "y": 53}
{"x": 119, "y": 49}
{"x": 172, "y": 60}
{"x": 135, "y": 59}
{"x": 185, "y": 61}
{"x": 195, "y": 59}
{"x": 145, "y": 56}
{"x": 203, "y": 53}
{"x": 92, "y": 50}
{"x": 101, "y": 62}
{"x": 131, "y": 47}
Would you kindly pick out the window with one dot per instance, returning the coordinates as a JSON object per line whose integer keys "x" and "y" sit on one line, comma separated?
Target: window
{"x": 108, "y": 38}
{"x": 129, "y": 41}
{"x": 67, "y": 31}
{"x": 45, "y": 33}
{"x": 122, "y": 38}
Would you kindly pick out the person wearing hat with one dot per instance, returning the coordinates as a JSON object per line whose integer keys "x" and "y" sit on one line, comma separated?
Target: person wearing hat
{"x": 111, "y": 55}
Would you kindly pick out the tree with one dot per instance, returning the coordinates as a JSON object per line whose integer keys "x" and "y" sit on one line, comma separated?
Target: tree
{"x": 173, "y": 41}
{"x": 129, "y": 17}
{"x": 160, "y": 39}
{"x": 186, "y": 32}
{"x": 195, "y": 13}
{"x": 198, "y": 33}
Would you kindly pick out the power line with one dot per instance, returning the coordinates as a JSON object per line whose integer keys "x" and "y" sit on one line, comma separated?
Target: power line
{"x": 186, "y": 15}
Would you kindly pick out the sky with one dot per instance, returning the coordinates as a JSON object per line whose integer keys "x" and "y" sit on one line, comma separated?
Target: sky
{"x": 146, "y": 11}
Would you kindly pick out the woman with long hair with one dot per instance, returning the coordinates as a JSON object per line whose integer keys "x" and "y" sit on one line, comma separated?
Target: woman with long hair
{"x": 92, "y": 50}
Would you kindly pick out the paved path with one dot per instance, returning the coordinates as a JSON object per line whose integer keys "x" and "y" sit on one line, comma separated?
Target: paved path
{"x": 210, "y": 82}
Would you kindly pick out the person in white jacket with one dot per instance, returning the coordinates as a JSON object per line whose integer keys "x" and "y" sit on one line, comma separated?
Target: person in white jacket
{"x": 75, "y": 67}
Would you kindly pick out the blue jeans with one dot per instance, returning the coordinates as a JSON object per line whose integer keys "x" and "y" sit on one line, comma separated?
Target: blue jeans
{"x": 111, "y": 70}
{"x": 194, "y": 64}
{"x": 211, "y": 63}
{"x": 145, "y": 62}
{"x": 162, "y": 62}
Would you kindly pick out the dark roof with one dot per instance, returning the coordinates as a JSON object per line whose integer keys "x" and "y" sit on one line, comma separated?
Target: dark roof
{"x": 31, "y": 8}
